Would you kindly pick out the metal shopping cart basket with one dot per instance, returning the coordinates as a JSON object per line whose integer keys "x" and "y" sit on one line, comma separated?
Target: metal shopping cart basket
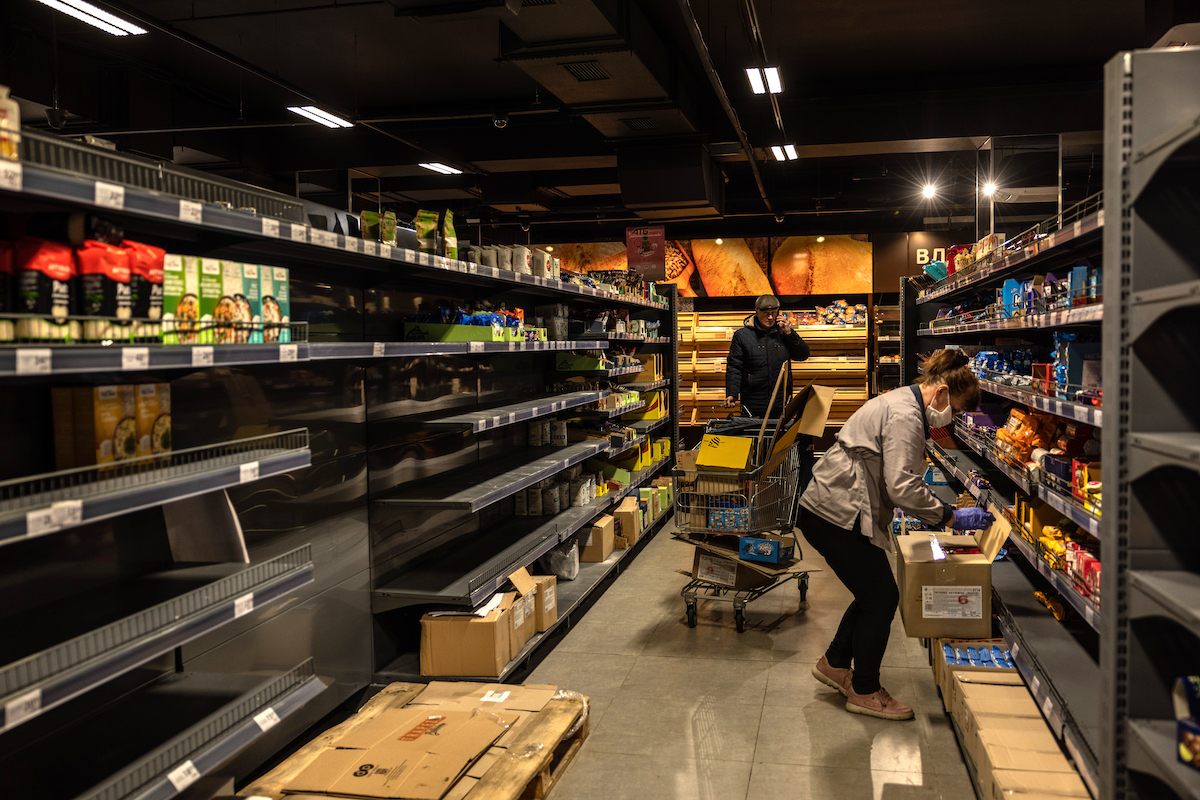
{"x": 738, "y": 503}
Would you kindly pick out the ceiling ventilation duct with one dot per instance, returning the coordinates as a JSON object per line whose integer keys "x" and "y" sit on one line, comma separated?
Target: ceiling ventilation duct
{"x": 671, "y": 182}
{"x": 455, "y": 9}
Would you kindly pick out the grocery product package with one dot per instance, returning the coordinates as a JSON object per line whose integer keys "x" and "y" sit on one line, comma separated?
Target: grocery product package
{"x": 233, "y": 314}
{"x": 562, "y": 562}
{"x": 94, "y": 425}
{"x": 43, "y": 279}
{"x": 369, "y": 225}
{"x": 181, "y": 299}
{"x": 212, "y": 310}
{"x": 153, "y": 419}
{"x": 8, "y": 328}
{"x": 449, "y": 237}
{"x": 10, "y": 126}
{"x": 146, "y": 287}
{"x": 275, "y": 302}
{"x": 426, "y": 224}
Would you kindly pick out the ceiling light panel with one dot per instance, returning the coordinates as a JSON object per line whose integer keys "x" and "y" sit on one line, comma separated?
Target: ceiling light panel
{"x": 95, "y": 16}
{"x": 757, "y": 83}
{"x": 323, "y": 117}
{"x": 777, "y": 151}
{"x": 774, "y": 84}
{"x": 441, "y": 168}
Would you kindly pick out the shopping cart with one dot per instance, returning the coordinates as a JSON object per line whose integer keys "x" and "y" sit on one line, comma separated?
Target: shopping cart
{"x": 737, "y": 503}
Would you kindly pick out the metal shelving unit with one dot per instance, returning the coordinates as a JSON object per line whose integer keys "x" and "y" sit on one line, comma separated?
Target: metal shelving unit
{"x": 491, "y": 418}
{"x": 46, "y": 504}
{"x": 1151, "y": 449}
{"x": 35, "y": 682}
{"x": 646, "y": 386}
{"x": 1090, "y": 415}
{"x": 1084, "y": 315}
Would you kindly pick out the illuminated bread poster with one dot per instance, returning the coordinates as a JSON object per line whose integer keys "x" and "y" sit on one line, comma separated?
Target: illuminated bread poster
{"x": 729, "y": 269}
{"x": 836, "y": 265}
{"x": 592, "y": 256}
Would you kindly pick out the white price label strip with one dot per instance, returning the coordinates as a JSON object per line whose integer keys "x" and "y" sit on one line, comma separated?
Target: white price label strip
{"x": 191, "y": 211}
{"x": 67, "y": 513}
{"x": 34, "y": 360}
{"x": 40, "y": 522}
{"x": 109, "y": 195}
{"x": 202, "y": 356}
{"x": 266, "y": 719}
{"x": 243, "y": 605}
{"x": 1047, "y": 708}
{"x": 183, "y": 776}
{"x": 248, "y": 472}
{"x": 12, "y": 177}
{"x": 135, "y": 358}
{"x": 476, "y": 347}
{"x": 270, "y": 227}
{"x": 371, "y": 248}
{"x": 378, "y": 349}
{"x": 299, "y": 233}
{"x": 22, "y": 708}
{"x": 1081, "y": 413}
{"x": 288, "y": 352}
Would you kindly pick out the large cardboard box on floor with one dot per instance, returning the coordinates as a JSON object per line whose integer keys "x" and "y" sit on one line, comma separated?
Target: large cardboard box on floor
{"x": 524, "y": 611}
{"x": 942, "y": 673}
{"x": 1030, "y": 735}
{"x": 1034, "y": 750}
{"x": 546, "y": 604}
{"x": 944, "y": 593}
{"x": 467, "y": 644}
{"x": 598, "y": 540}
{"x": 977, "y": 704}
{"x": 1011, "y": 784}
{"x": 956, "y": 686}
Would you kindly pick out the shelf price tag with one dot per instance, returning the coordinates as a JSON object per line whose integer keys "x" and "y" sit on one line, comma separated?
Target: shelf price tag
{"x": 248, "y": 472}
{"x": 34, "y": 360}
{"x": 135, "y": 358}
{"x": 378, "y": 349}
{"x": 12, "y": 177}
{"x": 110, "y": 195}
{"x": 202, "y": 356}
{"x": 371, "y": 247}
{"x": 244, "y": 604}
{"x": 266, "y": 719}
{"x": 191, "y": 211}
{"x": 324, "y": 238}
{"x": 1047, "y": 708}
{"x": 350, "y": 243}
{"x": 1081, "y": 413}
{"x": 40, "y": 522}
{"x": 288, "y": 352}
{"x": 22, "y": 708}
{"x": 475, "y": 347}
{"x": 270, "y": 227}
{"x": 67, "y": 513}
{"x": 385, "y": 250}
{"x": 183, "y": 776}
{"x": 299, "y": 232}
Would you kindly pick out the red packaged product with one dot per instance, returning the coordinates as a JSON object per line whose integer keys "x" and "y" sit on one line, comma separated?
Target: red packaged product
{"x": 104, "y": 280}
{"x": 146, "y": 279}
{"x": 43, "y": 276}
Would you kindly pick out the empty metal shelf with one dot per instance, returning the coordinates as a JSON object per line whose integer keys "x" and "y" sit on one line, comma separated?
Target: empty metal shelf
{"x": 488, "y": 418}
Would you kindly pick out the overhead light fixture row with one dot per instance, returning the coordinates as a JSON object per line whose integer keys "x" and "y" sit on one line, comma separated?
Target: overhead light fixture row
{"x": 442, "y": 168}
{"x": 95, "y": 16}
{"x": 786, "y": 152}
{"x": 322, "y": 117}
{"x": 989, "y": 189}
{"x": 764, "y": 79}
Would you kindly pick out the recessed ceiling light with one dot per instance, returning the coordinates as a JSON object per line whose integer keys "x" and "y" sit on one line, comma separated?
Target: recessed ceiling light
{"x": 930, "y": 190}
{"x": 549, "y": 249}
{"x": 989, "y": 189}
{"x": 774, "y": 84}
{"x": 442, "y": 168}
{"x": 778, "y": 152}
{"x": 96, "y": 17}
{"x": 820, "y": 238}
{"x": 323, "y": 117}
{"x": 790, "y": 149}
{"x": 757, "y": 83}
{"x": 720, "y": 241}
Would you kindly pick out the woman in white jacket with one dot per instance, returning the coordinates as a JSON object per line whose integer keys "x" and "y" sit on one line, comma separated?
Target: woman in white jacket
{"x": 877, "y": 464}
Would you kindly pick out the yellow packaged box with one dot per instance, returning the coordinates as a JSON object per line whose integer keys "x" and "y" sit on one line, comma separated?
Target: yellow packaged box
{"x": 466, "y": 644}
{"x": 724, "y": 453}
{"x": 153, "y": 418}
{"x": 94, "y": 425}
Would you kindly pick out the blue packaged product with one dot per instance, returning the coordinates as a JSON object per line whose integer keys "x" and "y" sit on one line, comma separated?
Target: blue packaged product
{"x": 1079, "y": 286}
{"x": 1011, "y": 297}
{"x": 948, "y": 652}
{"x": 1001, "y": 657}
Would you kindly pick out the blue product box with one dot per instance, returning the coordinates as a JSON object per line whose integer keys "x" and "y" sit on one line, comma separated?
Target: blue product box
{"x": 1011, "y": 297}
{"x": 1079, "y": 286}
{"x": 729, "y": 519}
{"x": 935, "y": 477}
{"x": 767, "y": 549}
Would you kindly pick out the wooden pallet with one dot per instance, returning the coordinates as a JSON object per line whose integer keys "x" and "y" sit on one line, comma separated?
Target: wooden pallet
{"x": 509, "y": 778}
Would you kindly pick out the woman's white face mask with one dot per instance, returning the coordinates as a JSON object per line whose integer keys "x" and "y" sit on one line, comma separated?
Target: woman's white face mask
{"x": 939, "y": 417}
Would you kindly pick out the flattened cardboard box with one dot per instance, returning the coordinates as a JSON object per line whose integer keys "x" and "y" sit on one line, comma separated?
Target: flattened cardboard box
{"x": 948, "y": 596}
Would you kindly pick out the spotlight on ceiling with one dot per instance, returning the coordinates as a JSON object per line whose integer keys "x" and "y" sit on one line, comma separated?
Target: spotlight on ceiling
{"x": 989, "y": 189}
{"x": 764, "y": 79}
{"x": 96, "y": 17}
{"x": 323, "y": 117}
{"x": 930, "y": 190}
{"x": 442, "y": 168}
{"x": 820, "y": 238}
{"x": 720, "y": 241}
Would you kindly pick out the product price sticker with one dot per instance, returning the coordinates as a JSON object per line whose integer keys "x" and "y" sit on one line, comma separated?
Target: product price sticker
{"x": 1081, "y": 413}
{"x": 270, "y": 227}
{"x": 191, "y": 211}
{"x": 202, "y": 356}
{"x": 34, "y": 360}
{"x": 183, "y": 776}
{"x": 494, "y": 697}
{"x": 1047, "y": 708}
{"x": 243, "y": 605}
{"x": 22, "y": 708}
{"x": 248, "y": 472}
{"x": 1035, "y": 684}
{"x": 288, "y": 352}
{"x": 40, "y": 522}
{"x": 135, "y": 358}
{"x": 378, "y": 349}
{"x": 475, "y": 347}
{"x": 67, "y": 513}
{"x": 299, "y": 233}
{"x": 371, "y": 248}
{"x": 12, "y": 177}
{"x": 266, "y": 719}
{"x": 109, "y": 195}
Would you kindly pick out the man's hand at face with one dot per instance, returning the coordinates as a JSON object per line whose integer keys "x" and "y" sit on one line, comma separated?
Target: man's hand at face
{"x": 784, "y": 325}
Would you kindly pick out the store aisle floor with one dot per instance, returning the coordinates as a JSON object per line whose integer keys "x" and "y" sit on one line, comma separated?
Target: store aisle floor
{"x": 712, "y": 714}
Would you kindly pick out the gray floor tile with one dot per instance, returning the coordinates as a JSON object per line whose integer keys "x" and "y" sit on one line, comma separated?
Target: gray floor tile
{"x": 703, "y": 728}
{"x": 613, "y": 776}
{"x": 713, "y": 637}
{"x": 790, "y": 782}
{"x": 593, "y": 635}
{"x": 588, "y": 673}
{"x": 685, "y": 679}
{"x": 833, "y": 737}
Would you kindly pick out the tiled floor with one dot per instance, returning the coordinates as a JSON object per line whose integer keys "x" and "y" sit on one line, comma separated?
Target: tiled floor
{"x": 711, "y": 714}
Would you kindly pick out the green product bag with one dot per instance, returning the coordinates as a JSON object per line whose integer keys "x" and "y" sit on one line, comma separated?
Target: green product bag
{"x": 369, "y": 222}
{"x": 449, "y": 238}
{"x": 426, "y": 224}
{"x": 387, "y": 227}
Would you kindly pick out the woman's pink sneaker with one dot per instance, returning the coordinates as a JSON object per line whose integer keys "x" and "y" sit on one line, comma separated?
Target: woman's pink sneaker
{"x": 879, "y": 704}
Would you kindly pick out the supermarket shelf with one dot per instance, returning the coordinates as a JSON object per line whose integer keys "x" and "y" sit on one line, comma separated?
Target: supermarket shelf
{"x": 887, "y": 338}
{"x": 1062, "y": 677}
{"x": 613, "y": 335}
{"x": 607, "y": 373}
{"x": 1150, "y": 305}
{"x": 1079, "y": 412}
{"x": 1082, "y": 233}
{"x": 37, "y": 682}
{"x": 1163, "y": 593}
{"x": 982, "y": 449}
{"x": 1084, "y": 315}
{"x": 950, "y": 464}
{"x": 1154, "y": 450}
{"x": 480, "y": 486}
{"x": 647, "y": 425}
{"x": 75, "y": 359}
{"x": 1072, "y": 509}
{"x": 172, "y": 732}
{"x": 1154, "y": 750}
{"x": 48, "y": 503}
{"x": 610, "y": 413}
{"x": 42, "y": 183}
{"x": 1061, "y": 582}
{"x": 613, "y": 452}
{"x": 490, "y": 418}
{"x": 658, "y": 340}
{"x": 336, "y": 350}
{"x": 571, "y": 594}
{"x": 646, "y": 386}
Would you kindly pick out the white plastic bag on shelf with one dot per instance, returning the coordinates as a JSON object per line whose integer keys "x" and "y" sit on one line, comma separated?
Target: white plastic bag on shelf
{"x": 562, "y": 562}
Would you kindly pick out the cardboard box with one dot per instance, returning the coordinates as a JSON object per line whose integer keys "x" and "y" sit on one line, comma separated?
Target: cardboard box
{"x": 730, "y": 453}
{"x": 1032, "y": 735}
{"x": 948, "y": 594}
{"x": 728, "y": 572}
{"x": 767, "y": 548}
{"x": 598, "y": 541}
{"x": 524, "y": 610}
{"x": 153, "y": 418}
{"x": 806, "y": 413}
{"x": 436, "y": 332}
{"x": 994, "y": 758}
{"x": 976, "y": 704}
{"x": 463, "y": 644}
{"x": 628, "y": 519}
{"x": 407, "y": 753}
{"x": 943, "y": 674}
{"x": 953, "y": 695}
{"x": 1010, "y": 784}
{"x": 657, "y": 406}
{"x": 181, "y": 299}
{"x": 545, "y": 608}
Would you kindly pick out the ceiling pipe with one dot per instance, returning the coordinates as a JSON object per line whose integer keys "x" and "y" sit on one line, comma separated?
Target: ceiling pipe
{"x": 706, "y": 59}
{"x": 276, "y": 11}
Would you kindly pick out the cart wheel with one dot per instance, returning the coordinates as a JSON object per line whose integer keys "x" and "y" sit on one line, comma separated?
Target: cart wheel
{"x": 739, "y": 620}
{"x": 691, "y": 615}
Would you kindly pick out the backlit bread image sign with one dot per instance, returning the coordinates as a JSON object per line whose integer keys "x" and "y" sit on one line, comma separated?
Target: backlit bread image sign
{"x": 822, "y": 265}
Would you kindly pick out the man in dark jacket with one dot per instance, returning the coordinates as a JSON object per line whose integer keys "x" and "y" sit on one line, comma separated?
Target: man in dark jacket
{"x": 757, "y": 353}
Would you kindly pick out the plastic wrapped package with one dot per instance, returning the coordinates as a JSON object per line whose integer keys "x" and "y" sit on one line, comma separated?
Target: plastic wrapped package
{"x": 562, "y": 562}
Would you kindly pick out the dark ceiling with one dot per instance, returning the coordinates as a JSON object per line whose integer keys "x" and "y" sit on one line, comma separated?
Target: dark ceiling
{"x": 881, "y": 96}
